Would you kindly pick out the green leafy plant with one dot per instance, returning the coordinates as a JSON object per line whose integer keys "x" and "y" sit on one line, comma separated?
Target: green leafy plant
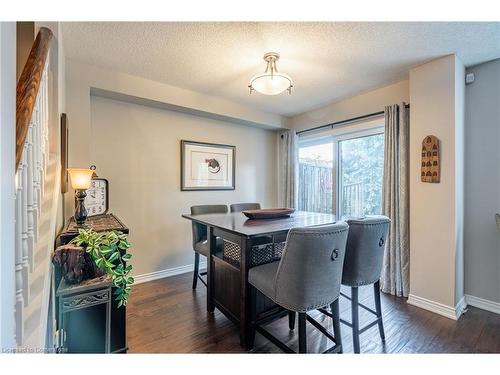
{"x": 106, "y": 250}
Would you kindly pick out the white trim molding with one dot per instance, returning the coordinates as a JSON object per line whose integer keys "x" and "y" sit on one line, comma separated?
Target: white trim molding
{"x": 46, "y": 329}
{"x": 483, "y": 304}
{"x": 438, "y": 308}
{"x": 7, "y": 184}
{"x": 145, "y": 277}
{"x": 460, "y": 307}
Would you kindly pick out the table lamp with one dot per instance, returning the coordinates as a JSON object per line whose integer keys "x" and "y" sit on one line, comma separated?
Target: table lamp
{"x": 80, "y": 181}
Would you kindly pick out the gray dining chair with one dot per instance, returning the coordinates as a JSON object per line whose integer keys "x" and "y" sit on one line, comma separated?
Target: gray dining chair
{"x": 200, "y": 241}
{"x": 306, "y": 278}
{"x": 362, "y": 266}
{"x": 238, "y": 207}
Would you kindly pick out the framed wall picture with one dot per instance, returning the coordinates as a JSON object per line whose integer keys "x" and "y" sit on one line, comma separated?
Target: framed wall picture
{"x": 207, "y": 166}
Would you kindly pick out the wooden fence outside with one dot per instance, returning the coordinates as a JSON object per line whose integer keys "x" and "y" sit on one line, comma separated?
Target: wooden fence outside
{"x": 315, "y": 188}
{"x": 316, "y": 192}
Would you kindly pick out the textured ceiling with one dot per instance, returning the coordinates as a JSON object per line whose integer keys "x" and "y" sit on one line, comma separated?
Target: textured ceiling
{"x": 327, "y": 61}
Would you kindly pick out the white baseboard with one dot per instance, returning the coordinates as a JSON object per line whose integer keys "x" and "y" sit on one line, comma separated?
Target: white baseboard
{"x": 483, "y": 304}
{"x": 145, "y": 277}
{"x": 438, "y": 308}
{"x": 460, "y": 307}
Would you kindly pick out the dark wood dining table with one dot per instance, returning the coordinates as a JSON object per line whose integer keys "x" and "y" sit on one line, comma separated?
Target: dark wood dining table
{"x": 227, "y": 281}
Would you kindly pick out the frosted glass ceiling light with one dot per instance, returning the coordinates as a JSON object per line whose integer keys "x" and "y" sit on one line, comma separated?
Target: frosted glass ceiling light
{"x": 271, "y": 82}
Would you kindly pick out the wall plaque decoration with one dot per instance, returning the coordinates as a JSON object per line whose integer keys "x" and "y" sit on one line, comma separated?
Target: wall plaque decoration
{"x": 207, "y": 166}
{"x": 431, "y": 163}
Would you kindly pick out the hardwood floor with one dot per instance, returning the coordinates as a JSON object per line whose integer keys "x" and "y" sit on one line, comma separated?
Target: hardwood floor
{"x": 167, "y": 316}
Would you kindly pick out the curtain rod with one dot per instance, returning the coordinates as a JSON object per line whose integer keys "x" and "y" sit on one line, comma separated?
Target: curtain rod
{"x": 331, "y": 125}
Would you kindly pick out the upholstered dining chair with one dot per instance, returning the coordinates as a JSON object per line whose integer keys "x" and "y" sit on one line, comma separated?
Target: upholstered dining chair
{"x": 200, "y": 241}
{"x": 238, "y": 207}
{"x": 362, "y": 266}
{"x": 306, "y": 278}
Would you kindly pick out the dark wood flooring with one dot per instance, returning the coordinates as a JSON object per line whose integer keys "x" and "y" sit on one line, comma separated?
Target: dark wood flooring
{"x": 167, "y": 316}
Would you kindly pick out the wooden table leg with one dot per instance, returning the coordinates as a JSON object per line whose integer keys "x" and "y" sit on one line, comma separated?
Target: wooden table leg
{"x": 245, "y": 250}
{"x": 212, "y": 248}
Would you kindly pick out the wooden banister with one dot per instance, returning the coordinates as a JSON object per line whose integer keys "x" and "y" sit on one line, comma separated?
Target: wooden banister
{"x": 27, "y": 87}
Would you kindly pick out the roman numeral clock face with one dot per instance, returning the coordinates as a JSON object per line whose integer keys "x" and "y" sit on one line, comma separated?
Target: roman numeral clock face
{"x": 96, "y": 201}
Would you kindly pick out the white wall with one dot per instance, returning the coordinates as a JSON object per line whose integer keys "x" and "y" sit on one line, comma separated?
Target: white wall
{"x": 137, "y": 148}
{"x": 436, "y": 97}
{"x": 368, "y": 102}
{"x": 7, "y": 181}
{"x": 482, "y": 183}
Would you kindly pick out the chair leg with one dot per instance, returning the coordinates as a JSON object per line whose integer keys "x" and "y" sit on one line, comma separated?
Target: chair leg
{"x": 291, "y": 320}
{"x": 355, "y": 319}
{"x": 378, "y": 309}
{"x": 302, "y": 333}
{"x": 196, "y": 269}
{"x": 336, "y": 323}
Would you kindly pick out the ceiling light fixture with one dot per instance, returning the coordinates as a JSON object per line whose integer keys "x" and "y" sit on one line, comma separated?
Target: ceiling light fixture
{"x": 271, "y": 82}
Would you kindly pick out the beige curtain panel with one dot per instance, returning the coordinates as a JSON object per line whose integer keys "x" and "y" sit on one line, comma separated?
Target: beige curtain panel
{"x": 288, "y": 164}
{"x": 395, "y": 278}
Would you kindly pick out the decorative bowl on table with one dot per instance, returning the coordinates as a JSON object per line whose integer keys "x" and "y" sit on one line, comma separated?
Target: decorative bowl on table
{"x": 268, "y": 213}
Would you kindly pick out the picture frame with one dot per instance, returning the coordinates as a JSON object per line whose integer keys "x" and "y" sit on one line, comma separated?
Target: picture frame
{"x": 64, "y": 153}
{"x": 207, "y": 166}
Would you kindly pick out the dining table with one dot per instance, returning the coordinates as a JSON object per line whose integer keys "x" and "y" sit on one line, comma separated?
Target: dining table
{"x": 228, "y": 289}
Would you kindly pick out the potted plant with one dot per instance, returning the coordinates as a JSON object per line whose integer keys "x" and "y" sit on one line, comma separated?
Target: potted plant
{"x": 108, "y": 251}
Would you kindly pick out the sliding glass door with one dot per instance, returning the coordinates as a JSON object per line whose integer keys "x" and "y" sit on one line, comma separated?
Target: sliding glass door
{"x": 360, "y": 171}
{"x": 342, "y": 173}
{"x": 316, "y": 176}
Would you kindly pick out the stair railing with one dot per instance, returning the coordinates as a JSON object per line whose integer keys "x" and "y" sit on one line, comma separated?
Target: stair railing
{"x": 32, "y": 154}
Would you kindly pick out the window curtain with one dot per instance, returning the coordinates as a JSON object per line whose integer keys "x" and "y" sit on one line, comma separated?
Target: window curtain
{"x": 288, "y": 162}
{"x": 395, "y": 201}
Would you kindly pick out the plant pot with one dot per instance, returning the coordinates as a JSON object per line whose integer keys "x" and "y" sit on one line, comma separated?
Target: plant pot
{"x": 75, "y": 264}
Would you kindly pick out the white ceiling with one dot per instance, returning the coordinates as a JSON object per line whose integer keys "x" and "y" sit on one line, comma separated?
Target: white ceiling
{"x": 327, "y": 61}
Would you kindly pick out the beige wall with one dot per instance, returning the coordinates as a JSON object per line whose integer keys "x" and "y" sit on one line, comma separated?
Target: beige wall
{"x": 459, "y": 178}
{"x": 137, "y": 148}
{"x": 368, "y": 102}
{"x": 57, "y": 102}
{"x": 82, "y": 79}
{"x": 25, "y": 36}
{"x": 436, "y": 272}
{"x": 436, "y": 93}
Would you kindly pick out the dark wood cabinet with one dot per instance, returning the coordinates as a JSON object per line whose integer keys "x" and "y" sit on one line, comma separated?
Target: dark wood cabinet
{"x": 88, "y": 318}
{"x": 84, "y": 316}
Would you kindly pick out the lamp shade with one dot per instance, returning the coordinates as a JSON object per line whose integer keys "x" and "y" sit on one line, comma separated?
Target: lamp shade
{"x": 80, "y": 178}
{"x": 271, "y": 84}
